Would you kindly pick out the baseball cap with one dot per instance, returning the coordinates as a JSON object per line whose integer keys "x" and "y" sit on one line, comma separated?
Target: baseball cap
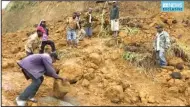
{"x": 53, "y": 54}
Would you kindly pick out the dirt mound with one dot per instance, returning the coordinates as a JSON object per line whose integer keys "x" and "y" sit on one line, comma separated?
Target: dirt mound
{"x": 60, "y": 89}
{"x": 101, "y": 75}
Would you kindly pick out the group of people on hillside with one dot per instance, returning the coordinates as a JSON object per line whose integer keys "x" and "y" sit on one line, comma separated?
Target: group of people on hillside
{"x": 34, "y": 66}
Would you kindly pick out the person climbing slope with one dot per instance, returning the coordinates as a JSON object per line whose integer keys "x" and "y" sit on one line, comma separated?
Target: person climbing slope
{"x": 43, "y": 24}
{"x": 33, "y": 41}
{"x": 45, "y": 40}
{"x": 34, "y": 67}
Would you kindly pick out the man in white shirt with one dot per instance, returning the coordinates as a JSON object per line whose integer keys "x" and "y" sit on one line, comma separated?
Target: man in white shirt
{"x": 161, "y": 44}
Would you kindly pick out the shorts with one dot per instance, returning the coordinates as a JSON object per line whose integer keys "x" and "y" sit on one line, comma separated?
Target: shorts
{"x": 71, "y": 35}
{"x": 88, "y": 31}
{"x": 115, "y": 25}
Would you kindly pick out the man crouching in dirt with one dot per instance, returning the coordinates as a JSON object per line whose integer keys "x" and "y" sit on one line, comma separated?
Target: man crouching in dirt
{"x": 161, "y": 44}
{"x": 33, "y": 42}
{"x": 34, "y": 67}
{"x": 71, "y": 31}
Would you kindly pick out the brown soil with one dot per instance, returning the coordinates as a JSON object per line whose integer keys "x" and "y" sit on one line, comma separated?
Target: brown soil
{"x": 103, "y": 76}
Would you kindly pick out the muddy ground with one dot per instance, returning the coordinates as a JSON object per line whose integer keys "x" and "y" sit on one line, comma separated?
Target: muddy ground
{"x": 103, "y": 76}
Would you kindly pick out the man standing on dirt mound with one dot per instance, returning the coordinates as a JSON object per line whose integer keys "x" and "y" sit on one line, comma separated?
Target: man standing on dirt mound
{"x": 34, "y": 67}
{"x": 88, "y": 26}
{"x": 33, "y": 42}
{"x": 114, "y": 17}
{"x": 71, "y": 31}
{"x": 45, "y": 40}
{"x": 80, "y": 31}
{"x": 161, "y": 45}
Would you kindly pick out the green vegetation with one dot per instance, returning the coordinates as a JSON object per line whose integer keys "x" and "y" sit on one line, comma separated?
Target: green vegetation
{"x": 17, "y": 5}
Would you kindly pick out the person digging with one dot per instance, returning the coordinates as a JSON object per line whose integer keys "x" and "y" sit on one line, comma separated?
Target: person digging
{"x": 34, "y": 67}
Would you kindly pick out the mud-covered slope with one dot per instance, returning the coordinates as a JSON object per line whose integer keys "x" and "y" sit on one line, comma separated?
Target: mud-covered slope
{"x": 103, "y": 75}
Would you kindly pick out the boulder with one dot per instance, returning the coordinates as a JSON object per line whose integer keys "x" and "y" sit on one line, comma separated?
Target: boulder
{"x": 15, "y": 50}
{"x": 71, "y": 71}
{"x": 186, "y": 74}
{"x": 95, "y": 58}
{"x": 174, "y": 89}
{"x": 151, "y": 99}
{"x": 85, "y": 83}
{"x": 60, "y": 88}
{"x": 20, "y": 55}
{"x": 187, "y": 91}
{"x": 174, "y": 61}
{"x": 180, "y": 66}
{"x": 89, "y": 75}
{"x": 176, "y": 75}
{"x": 5, "y": 65}
{"x": 91, "y": 65}
{"x": 115, "y": 93}
{"x": 170, "y": 68}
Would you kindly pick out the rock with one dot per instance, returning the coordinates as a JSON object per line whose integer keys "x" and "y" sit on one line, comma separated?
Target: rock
{"x": 60, "y": 89}
{"x": 95, "y": 58}
{"x": 178, "y": 82}
{"x": 91, "y": 65}
{"x": 110, "y": 43}
{"x": 127, "y": 100}
{"x": 24, "y": 39}
{"x": 60, "y": 21}
{"x": 71, "y": 71}
{"x": 180, "y": 66}
{"x": 9, "y": 64}
{"x": 115, "y": 93}
{"x": 125, "y": 85}
{"x": 174, "y": 61}
{"x": 176, "y": 75}
{"x": 91, "y": 70}
{"x": 171, "y": 82}
{"x": 142, "y": 96}
{"x": 20, "y": 55}
{"x": 187, "y": 91}
{"x": 85, "y": 83}
{"x": 186, "y": 74}
{"x": 171, "y": 68}
{"x": 5, "y": 65}
{"x": 134, "y": 99}
{"x": 151, "y": 99}
{"x": 89, "y": 76}
{"x": 173, "y": 89}
{"x": 15, "y": 50}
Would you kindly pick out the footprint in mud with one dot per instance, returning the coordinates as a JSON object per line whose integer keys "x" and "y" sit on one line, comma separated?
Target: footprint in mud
{"x": 51, "y": 101}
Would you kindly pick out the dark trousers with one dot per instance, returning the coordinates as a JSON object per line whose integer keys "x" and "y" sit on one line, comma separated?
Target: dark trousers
{"x": 48, "y": 42}
{"x": 31, "y": 90}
